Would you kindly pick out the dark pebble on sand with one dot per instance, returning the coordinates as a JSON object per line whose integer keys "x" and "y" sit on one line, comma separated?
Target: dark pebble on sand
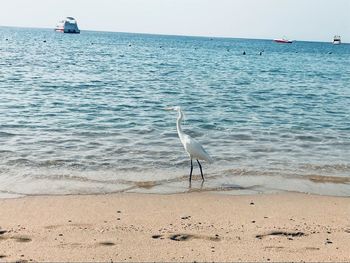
{"x": 252, "y": 203}
{"x": 119, "y": 212}
{"x": 328, "y": 241}
{"x": 118, "y": 218}
{"x": 61, "y": 235}
{"x": 2, "y": 232}
{"x": 329, "y": 232}
{"x": 289, "y": 238}
{"x": 253, "y": 221}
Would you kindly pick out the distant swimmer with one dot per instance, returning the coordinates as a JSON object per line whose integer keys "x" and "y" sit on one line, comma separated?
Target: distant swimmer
{"x": 260, "y": 53}
{"x": 244, "y": 53}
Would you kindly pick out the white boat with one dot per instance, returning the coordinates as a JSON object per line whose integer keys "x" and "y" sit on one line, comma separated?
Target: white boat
{"x": 68, "y": 25}
{"x": 336, "y": 40}
{"x": 283, "y": 40}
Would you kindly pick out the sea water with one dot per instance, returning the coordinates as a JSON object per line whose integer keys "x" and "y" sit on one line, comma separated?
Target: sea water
{"x": 83, "y": 114}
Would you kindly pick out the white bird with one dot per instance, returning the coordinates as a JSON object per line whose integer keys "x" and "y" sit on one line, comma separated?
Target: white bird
{"x": 193, "y": 148}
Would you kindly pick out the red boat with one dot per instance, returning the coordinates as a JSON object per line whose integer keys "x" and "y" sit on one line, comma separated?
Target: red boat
{"x": 283, "y": 41}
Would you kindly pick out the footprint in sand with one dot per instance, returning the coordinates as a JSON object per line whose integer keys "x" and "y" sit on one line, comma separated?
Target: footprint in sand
{"x": 187, "y": 237}
{"x": 312, "y": 248}
{"x": 22, "y": 239}
{"x": 107, "y": 243}
{"x": 157, "y": 236}
{"x": 181, "y": 237}
{"x": 281, "y": 233}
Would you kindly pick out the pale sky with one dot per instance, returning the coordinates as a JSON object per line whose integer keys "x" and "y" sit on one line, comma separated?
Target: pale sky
{"x": 317, "y": 20}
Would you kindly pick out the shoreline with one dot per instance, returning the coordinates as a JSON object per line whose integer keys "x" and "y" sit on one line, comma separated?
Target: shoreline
{"x": 198, "y": 226}
{"x": 191, "y": 192}
{"x": 238, "y": 185}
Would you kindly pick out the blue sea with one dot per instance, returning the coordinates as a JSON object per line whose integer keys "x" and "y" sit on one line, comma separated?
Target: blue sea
{"x": 84, "y": 114}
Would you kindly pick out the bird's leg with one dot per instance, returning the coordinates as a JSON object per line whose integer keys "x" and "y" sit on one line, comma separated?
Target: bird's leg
{"x": 191, "y": 171}
{"x": 200, "y": 167}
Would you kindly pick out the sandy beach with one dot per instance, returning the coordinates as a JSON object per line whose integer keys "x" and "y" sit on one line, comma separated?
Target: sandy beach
{"x": 182, "y": 227}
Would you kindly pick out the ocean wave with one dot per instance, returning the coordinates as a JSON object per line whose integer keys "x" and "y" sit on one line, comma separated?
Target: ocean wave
{"x": 6, "y": 134}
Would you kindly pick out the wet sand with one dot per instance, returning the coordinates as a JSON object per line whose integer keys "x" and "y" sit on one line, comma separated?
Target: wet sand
{"x": 181, "y": 227}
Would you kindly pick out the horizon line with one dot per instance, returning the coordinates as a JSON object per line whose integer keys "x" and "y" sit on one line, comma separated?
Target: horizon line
{"x": 178, "y": 35}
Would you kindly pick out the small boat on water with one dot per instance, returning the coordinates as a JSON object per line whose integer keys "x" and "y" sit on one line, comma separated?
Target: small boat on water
{"x": 68, "y": 25}
{"x": 336, "y": 40}
{"x": 283, "y": 41}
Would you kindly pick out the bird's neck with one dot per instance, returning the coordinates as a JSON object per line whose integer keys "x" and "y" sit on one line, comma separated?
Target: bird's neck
{"x": 178, "y": 125}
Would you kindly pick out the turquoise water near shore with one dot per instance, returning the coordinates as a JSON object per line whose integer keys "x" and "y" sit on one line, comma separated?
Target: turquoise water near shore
{"x": 85, "y": 113}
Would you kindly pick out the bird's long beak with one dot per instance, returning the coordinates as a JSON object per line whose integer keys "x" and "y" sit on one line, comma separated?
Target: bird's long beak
{"x": 169, "y": 108}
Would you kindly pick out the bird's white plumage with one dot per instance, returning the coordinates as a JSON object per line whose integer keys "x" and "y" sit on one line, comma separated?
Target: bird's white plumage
{"x": 194, "y": 149}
